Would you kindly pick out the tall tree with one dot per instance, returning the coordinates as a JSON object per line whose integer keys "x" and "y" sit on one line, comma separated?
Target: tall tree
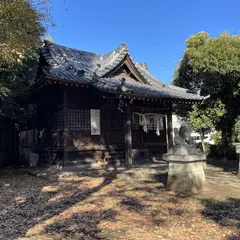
{"x": 21, "y": 28}
{"x": 22, "y": 25}
{"x": 212, "y": 66}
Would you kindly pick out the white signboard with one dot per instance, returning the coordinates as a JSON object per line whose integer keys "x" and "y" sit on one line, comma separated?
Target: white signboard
{"x": 95, "y": 122}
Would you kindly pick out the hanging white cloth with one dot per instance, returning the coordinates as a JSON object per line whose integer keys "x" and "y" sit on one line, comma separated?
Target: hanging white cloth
{"x": 158, "y": 122}
{"x": 144, "y": 123}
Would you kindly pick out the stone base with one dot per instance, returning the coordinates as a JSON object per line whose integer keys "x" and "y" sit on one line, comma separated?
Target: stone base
{"x": 140, "y": 153}
{"x": 186, "y": 177}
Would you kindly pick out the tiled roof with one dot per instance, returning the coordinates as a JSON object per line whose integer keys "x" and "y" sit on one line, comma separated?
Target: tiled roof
{"x": 128, "y": 86}
{"x": 88, "y": 68}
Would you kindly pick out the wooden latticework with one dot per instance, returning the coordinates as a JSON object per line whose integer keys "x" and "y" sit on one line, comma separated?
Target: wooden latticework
{"x": 136, "y": 122}
{"x": 114, "y": 119}
{"x": 57, "y": 120}
{"x": 79, "y": 119}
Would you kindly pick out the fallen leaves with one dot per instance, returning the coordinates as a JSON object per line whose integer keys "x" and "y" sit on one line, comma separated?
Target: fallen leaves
{"x": 92, "y": 207}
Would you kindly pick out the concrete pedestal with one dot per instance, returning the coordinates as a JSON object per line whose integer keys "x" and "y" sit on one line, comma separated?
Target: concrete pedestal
{"x": 186, "y": 169}
{"x": 186, "y": 177}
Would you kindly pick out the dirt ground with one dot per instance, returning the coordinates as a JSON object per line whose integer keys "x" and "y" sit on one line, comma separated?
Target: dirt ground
{"x": 76, "y": 206}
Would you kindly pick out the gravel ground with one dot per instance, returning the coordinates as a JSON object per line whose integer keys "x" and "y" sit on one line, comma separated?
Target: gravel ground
{"x": 74, "y": 206}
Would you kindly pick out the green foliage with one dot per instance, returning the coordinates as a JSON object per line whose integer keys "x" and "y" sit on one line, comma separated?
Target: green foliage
{"x": 185, "y": 77}
{"x": 217, "y": 137}
{"x": 236, "y": 132}
{"x": 23, "y": 24}
{"x": 218, "y": 56}
{"x": 212, "y": 67}
{"x": 200, "y": 149}
{"x": 21, "y": 32}
{"x": 221, "y": 151}
{"x": 14, "y": 85}
{"x": 21, "y": 29}
{"x": 204, "y": 118}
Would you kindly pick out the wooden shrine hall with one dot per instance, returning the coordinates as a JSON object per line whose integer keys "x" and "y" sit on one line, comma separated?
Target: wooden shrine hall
{"x": 101, "y": 108}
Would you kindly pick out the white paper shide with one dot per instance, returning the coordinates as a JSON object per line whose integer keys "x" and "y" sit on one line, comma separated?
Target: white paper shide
{"x": 95, "y": 122}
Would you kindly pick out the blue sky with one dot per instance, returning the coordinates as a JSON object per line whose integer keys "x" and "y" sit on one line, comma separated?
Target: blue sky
{"x": 154, "y": 30}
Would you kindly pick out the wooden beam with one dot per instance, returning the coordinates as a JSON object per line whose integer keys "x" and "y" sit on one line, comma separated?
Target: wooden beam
{"x": 65, "y": 126}
{"x": 169, "y": 129}
{"x": 128, "y": 137}
{"x": 166, "y": 126}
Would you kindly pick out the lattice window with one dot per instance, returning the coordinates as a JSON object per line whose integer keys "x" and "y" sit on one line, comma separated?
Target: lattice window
{"x": 23, "y": 138}
{"x": 114, "y": 120}
{"x": 135, "y": 122}
{"x": 162, "y": 123}
{"x": 57, "y": 138}
{"x": 28, "y": 137}
{"x": 79, "y": 119}
{"x": 57, "y": 120}
{"x": 151, "y": 123}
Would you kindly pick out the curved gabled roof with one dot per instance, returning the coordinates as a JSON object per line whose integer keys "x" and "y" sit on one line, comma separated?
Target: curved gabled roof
{"x": 113, "y": 59}
{"x": 58, "y": 56}
{"x": 148, "y": 76}
{"x": 74, "y": 65}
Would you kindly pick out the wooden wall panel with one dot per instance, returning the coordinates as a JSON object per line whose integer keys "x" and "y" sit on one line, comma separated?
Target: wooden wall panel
{"x": 9, "y": 148}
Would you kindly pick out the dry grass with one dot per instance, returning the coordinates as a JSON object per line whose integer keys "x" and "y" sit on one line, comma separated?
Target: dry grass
{"x": 92, "y": 207}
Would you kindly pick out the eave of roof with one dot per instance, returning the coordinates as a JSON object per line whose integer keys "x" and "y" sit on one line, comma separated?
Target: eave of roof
{"x": 131, "y": 87}
{"x": 79, "y": 67}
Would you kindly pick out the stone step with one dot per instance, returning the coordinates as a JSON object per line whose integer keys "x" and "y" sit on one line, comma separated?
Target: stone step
{"x": 148, "y": 171}
{"x": 81, "y": 161}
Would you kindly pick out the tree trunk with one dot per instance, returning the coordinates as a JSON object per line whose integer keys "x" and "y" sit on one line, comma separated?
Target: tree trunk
{"x": 227, "y": 131}
{"x": 203, "y": 146}
{"x": 226, "y": 138}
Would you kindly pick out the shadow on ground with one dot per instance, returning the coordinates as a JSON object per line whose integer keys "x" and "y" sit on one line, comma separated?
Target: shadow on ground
{"x": 226, "y": 213}
{"x": 29, "y": 202}
{"x": 227, "y": 166}
{"x": 82, "y": 206}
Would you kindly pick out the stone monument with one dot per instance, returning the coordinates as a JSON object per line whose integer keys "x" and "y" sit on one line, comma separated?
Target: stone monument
{"x": 186, "y": 165}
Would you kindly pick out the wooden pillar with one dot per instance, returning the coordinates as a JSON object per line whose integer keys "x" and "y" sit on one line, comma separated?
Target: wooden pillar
{"x": 65, "y": 126}
{"x": 169, "y": 129}
{"x": 238, "y": 166}
{"x": 128, "y": 137}
{"x": 166, "y": 127}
